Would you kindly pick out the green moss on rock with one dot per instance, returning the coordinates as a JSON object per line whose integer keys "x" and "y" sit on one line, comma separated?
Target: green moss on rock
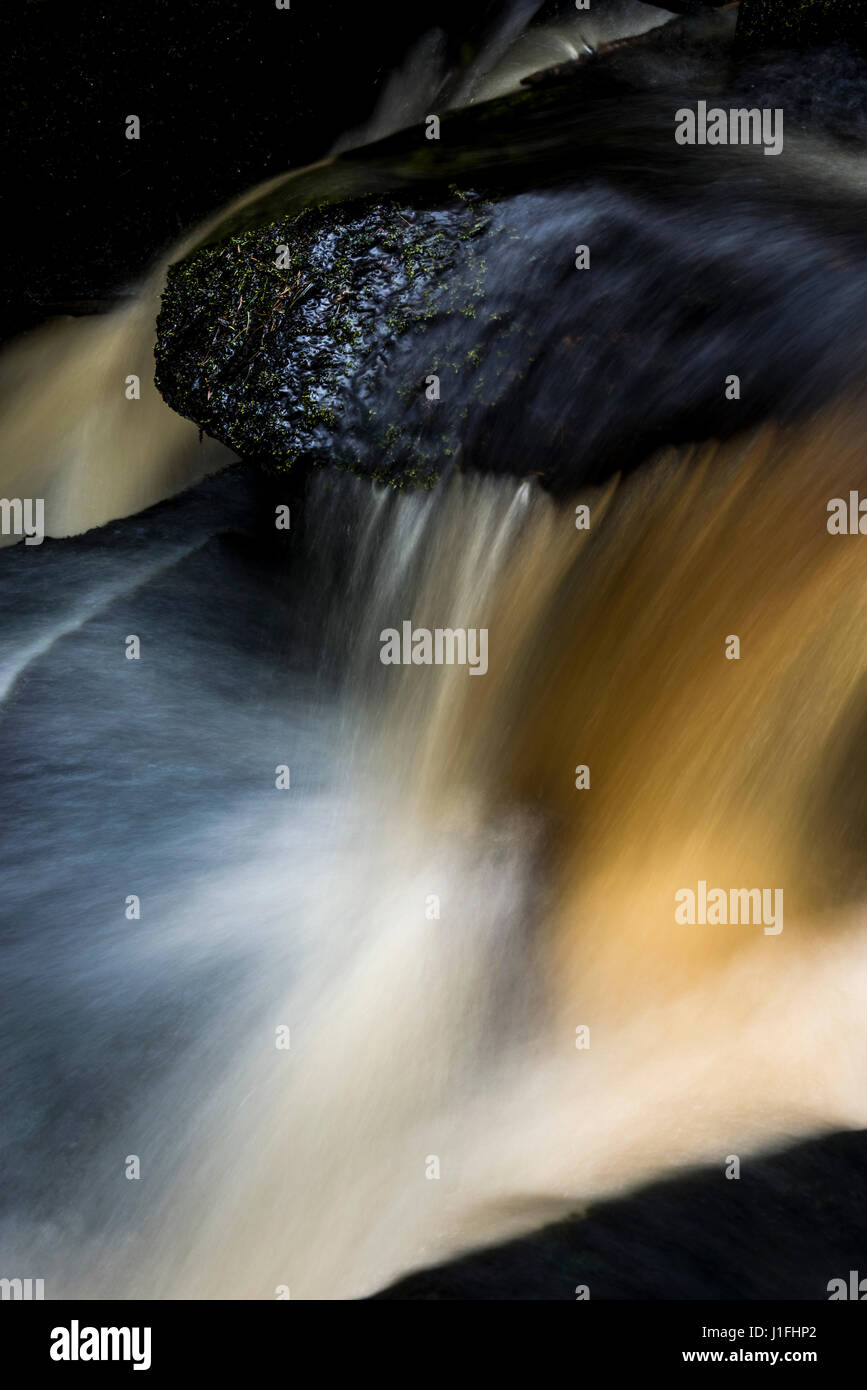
{"x": 284, "y": 354}
{"x": 410, "y": 259}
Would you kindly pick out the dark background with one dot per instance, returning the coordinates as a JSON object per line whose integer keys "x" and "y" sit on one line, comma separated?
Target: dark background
{"x": 227, "y": 93}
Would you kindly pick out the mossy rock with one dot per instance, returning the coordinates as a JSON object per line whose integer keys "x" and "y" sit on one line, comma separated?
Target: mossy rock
{"x": 455, "y": 259}
{"x": 325, "y": 355}
{"x": 298, "y": 340}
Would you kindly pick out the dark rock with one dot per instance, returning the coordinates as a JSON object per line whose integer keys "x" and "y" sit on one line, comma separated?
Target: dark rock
{"x": 455, "y": 259}
{"x": 793, "y": 1225}
{"x": 314, "y": 359}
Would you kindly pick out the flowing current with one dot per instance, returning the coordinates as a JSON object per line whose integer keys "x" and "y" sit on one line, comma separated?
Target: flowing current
{"x": 432, "y": 910}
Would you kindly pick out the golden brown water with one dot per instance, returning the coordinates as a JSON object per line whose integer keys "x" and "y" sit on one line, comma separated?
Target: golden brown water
{"x": 456, "y": 1037}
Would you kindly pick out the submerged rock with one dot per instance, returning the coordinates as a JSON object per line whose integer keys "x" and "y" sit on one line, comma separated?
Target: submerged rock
{"x": 555, "y": 287}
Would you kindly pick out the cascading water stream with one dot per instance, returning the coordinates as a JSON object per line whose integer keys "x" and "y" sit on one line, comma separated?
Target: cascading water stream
{"x": 433, "y": 909}
{"x": 415, "y": 1036}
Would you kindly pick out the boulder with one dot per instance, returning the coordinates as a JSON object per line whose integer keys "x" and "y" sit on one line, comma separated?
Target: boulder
{"x": 552, "y": 287}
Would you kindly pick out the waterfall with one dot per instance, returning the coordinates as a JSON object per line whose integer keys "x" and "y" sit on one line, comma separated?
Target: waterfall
{"x": 406, "y": 974}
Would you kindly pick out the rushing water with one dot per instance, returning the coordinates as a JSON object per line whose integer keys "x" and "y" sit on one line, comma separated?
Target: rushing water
{"x": 414, "y": 1035}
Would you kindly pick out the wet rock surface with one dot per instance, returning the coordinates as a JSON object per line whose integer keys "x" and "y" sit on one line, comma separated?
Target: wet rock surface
{"x": 554, "y": 287}
{"x": 783, "y": 1231}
